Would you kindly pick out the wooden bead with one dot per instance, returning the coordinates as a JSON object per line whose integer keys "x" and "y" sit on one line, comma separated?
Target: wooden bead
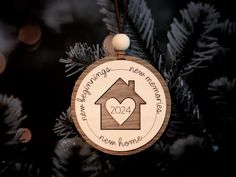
{"x": 120, "y": 42}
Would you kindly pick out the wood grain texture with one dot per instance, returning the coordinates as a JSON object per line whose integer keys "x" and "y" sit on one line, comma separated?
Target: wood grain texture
{"x": 125, "y": 91}
{"x": 107, "y": 46}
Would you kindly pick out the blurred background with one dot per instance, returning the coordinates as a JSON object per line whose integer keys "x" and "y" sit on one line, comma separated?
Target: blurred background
{"x": 35, "y": 34}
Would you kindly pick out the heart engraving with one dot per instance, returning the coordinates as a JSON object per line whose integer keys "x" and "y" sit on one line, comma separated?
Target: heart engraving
{"x": 120, "y": 112}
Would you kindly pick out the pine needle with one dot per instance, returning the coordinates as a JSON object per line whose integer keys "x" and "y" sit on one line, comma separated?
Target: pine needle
{"x": 79, "y": 57}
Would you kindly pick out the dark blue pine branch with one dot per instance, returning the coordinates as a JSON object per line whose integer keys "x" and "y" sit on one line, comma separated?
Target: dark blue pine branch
{"x": 65, "y": 161}
{"x": 184, "y": 95}
{"x": 227, "y": 27}
{"x": 80, "y": 56}
{"x": 64, "y": 126}
{"x": 223, "y": 92}
{"x": 191, "y": 42}
{"x": 107, "y": 9}
{"x": 226, "y": 33}
{"x": 20, "y": 169}
{"x": 139, "y": 26}
{"x": 192, "y": 45}
{"x": 177, "y": 126}
{"x": 10, "y": 118}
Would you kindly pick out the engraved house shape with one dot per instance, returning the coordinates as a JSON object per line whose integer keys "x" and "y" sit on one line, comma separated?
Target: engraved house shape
{"x": 120, "y": 91}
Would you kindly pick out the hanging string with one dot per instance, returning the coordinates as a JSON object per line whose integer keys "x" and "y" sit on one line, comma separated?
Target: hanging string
{"x": 116, "y": 6}
{"x": 124, "y": 14}
{"x": 117, "y": 14}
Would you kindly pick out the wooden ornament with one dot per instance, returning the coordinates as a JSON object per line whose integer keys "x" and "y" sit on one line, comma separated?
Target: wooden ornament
{"x": 107, "y": 46}
{"x": 121, "y": 107}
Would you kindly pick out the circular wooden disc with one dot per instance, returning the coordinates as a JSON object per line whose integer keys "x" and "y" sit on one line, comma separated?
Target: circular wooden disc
{"x": 107, "y": 46}
{"x": 121, "y": 107}
{"x": 3, "y": 63}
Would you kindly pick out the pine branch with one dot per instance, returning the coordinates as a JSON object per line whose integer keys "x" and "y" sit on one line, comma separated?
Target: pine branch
{"x": 139, "y": 27}
{"x": 227, "y": 27}
{"x": 185, "y": 96}
{"x": 65, "y": 160}
{"x": 188, "y": 109}
{"x": 143, "y": 24}
{"x": 226, "y": 32}
{"x": 191, "y": 43}
{"x": 20, "y": 169}
{"x": 188, "y": 153}
{"x": 107, "y": 9}
{"x": 74, "y": 157}
{"x": 97, "y": 164}
{"x": 222, "y": 90}
{"x": 26, "y": 169}
{"x": 178, "y": 148}
{"x": 64, "y": 126}
{"x": 11, "y": 118}
{"x": 176, "y": 126}
{"x": 223, "y": 94}
{"x": 80, "y": 56}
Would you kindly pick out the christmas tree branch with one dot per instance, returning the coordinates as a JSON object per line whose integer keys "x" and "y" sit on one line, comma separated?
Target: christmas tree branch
{"x": 139, "y": 26}
{"x": 64, "y": 126}
{"x": 11, "y": 118}
{"x": 191, "y": 43}
{"x": 223, "y": 93}
{"x": 227, "y": 27}
{"x": 80, "y": 56}
{"x": 184, "y": 95}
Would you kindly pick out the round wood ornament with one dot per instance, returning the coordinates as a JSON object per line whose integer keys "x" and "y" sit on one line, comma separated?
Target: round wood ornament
{"x": 120, "y": 104}
{"x": 107, "y": 46}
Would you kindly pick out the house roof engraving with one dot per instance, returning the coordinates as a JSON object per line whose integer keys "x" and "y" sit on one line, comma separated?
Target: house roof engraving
{"x": 120, "y": 90}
